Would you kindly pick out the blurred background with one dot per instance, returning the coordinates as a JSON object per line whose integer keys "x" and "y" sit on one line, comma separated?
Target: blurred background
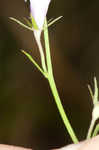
{"x": 28, "y": 114}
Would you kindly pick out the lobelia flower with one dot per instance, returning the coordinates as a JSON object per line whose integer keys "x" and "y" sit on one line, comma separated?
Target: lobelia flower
{"x": 38, "y": 9}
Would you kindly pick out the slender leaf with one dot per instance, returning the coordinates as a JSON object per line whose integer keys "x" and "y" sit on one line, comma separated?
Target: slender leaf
{"x": 90, "y": 91}
{"x": 33, "y": 61}
{"x": 28, "y": 22}
{"x": 55, "y": 20}
{"x": 49, "y": 20}
{"x": 96, "y": 91}
{"x": 96, "y": 130}
{"x": 34, "y": 23}
{"x": 20, "y": 23}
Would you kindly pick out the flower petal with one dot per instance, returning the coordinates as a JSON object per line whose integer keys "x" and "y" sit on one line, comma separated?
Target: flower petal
{"x": 38, "y": 10}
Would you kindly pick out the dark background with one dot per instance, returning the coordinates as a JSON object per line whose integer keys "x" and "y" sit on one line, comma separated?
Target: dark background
{"x": 28, "y": 114}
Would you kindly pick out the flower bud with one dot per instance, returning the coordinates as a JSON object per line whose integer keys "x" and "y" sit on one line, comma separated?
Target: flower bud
{"x": 38, "y": 9}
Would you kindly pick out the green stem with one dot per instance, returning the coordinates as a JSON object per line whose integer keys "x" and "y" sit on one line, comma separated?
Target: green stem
{"x": 54, "y": 89}
{"x": 47, "y": 48}
{"x": 61, "y": 109}
{"x": 90, "y": 129}
{"x": 37, "y": 35}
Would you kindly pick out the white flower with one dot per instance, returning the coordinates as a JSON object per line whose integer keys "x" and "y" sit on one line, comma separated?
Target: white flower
{"x": 39, "y": 10}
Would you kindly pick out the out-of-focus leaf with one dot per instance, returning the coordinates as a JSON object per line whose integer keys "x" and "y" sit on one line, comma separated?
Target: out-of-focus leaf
{"x": 55, "y": 20}
{"x": 96, "y": 91}
{"x": 96, "y": 130}
{"x": 28, "y": 22}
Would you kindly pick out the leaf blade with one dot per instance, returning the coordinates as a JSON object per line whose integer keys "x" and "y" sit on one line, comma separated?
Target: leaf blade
{"x": 21, "y": 24}
{"x": 34, "y": 62}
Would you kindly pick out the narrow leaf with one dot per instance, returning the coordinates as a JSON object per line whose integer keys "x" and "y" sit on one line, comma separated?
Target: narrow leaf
{"x": 28, "y": 22}
{"x": 55, "y": 20}
{"x": 90, "y": 91}
{"x": 49, "y": 20}
{"x": 96, "y": 91}
{"x": 96, "y": 130}
{"x": 20, "y": 23}
{"x": 34, "y": 23}
{"x": 33, "y": 61}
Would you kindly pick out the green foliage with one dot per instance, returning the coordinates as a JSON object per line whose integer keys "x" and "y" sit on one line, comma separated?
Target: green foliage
{"x": 34, "y": 24}
{"x": 21, "y": 24}
{"x": 53, "y": 21}
{"x": 28, "y": 22}
{"x": 96, "y": 130}
{"x": 95, "y": 112}
{"x": 33, "y": 61}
